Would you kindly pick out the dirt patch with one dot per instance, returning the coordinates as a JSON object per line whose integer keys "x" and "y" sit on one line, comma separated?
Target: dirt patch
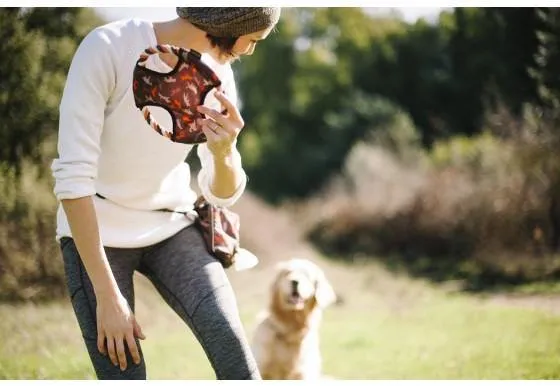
{"x": 273, "y": 235}
{"x": 269, "y": 232}
{"x": 548, "y": 303}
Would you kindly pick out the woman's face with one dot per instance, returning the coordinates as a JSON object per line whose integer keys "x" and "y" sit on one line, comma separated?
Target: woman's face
{"x": 245, "y": 44}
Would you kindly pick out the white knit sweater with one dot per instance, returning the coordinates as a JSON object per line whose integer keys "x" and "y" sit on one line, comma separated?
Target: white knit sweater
{"x": 105, "y": 146}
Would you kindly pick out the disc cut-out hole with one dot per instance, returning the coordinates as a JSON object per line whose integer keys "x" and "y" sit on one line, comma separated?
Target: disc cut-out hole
{"x": 162, "y": 117}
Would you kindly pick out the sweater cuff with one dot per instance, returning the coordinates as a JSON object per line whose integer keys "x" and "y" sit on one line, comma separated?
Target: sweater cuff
{"x": 204, "y": 185}
{"x": 75, "y": 188}
{"x": 72, "y": 180}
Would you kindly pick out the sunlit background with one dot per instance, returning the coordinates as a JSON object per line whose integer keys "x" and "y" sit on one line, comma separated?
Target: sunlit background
{"x": 153, "y": 13}
{"x": 412, "y": 153}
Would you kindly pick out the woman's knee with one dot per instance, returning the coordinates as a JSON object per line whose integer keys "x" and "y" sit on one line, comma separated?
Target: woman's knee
{"x": 106, "y": 370}
{"x": 219, "y": 328}
{"x": 82, "y": 298}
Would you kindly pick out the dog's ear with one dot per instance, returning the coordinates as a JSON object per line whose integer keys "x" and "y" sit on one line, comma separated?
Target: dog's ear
{"x": 324, "y": 293}
{"x": 280, "y": 266}
{"x": 278, "y": 269}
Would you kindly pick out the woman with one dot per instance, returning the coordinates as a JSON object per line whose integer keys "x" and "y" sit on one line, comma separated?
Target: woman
{"x": 107, "y": 150}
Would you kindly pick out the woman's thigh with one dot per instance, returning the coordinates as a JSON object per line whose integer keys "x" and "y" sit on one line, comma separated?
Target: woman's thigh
{"x": 122, "y": 262}
{"x": 196, "y": 286}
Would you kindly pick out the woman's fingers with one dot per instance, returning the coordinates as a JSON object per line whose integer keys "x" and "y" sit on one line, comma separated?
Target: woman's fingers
{"x": 138, "y": 330}
{"x": 210, "y": 133}
{"x": 121, "y": 354}
{"x": 217, "y": 131}
{"x": 116, "y": 348}
{"x": 117, "y": 328}
{"x": 111, "y": 350}
{"x": 230, "y": 107}
{"x": 231, "y": 121}
{"x": 133, "y": 348}
{"x": 101, "y": 342}
{"x": 216, "y": 116}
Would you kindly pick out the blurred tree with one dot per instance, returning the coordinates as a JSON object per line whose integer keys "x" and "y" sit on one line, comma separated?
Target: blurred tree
{"x": 545, "y": 73}
{"x": 37, "y": 46}
{"x": 445, "y": 76}
{"x": 547, "y": 59}
{"x": 413, "y": 69}
{"x": 491, "y": 50}
{"x": 300, "y": 100}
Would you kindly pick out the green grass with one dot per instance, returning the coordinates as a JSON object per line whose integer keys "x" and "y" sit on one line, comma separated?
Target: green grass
{"x": 448, "y": 338}
{"x": 431, "y": 335}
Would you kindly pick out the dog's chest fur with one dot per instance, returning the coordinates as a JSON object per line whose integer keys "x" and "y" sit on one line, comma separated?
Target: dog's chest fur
{"x": 290, "y": 353}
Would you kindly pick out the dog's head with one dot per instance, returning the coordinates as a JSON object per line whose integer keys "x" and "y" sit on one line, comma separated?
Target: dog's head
{"x": 301, "y": 285}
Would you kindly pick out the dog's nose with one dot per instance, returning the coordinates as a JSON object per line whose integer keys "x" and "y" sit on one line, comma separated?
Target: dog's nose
{"x": 294, "y": 284}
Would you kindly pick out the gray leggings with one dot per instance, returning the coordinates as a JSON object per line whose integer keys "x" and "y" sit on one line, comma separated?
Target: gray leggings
{"x": 190, "y": 280}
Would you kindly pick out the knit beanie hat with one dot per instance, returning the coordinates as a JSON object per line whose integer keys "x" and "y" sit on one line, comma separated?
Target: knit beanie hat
{"x": 230, "y": 21}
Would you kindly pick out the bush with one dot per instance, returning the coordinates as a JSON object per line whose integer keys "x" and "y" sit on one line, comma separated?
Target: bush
{"x": 481, "y": 208}
{"x": 30, "y": 262}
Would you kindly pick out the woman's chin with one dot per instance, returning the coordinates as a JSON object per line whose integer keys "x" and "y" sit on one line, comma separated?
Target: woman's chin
{"x": 221, "y": 58}
{"x": 229, "y": 59}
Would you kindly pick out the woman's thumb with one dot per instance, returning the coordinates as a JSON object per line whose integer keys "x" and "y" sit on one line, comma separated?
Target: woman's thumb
{"x": 138, "y": 331}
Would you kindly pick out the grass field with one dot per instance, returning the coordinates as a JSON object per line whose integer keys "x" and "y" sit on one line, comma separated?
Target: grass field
{"x": 388, "y": 327}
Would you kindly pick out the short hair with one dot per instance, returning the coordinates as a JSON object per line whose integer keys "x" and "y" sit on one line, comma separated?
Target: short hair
{"x": 224, "y": 44}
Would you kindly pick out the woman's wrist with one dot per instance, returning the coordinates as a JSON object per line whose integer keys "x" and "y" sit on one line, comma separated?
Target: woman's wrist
{"x": 222, "y": 154}
{"x": 106, "y": 288}
{"x": 107, "y": 293}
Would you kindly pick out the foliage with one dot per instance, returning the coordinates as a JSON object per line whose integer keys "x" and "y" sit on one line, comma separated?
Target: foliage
{"x": 308, "y": 93}
{"x": 37, "y": 46}
{"x": 324, "y": 83}
{"x": 483, "y": 210}
{"x": 303, "y": 109}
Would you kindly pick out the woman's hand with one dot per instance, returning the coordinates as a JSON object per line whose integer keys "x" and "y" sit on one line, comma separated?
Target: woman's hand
{"x": 115, "y": 321}
{"x": 117, "y": 325}
{"x": 221, "y": 130}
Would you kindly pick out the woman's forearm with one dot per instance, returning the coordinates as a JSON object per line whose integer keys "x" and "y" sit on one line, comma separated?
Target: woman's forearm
{"x": 227, "y": 177}
{"x": 85, "y": 232}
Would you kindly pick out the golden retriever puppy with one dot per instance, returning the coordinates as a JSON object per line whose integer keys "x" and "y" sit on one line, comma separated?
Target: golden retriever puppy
{"x": 286, "y": 339}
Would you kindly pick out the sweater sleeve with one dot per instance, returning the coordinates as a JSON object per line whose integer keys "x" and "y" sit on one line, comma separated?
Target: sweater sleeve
{"x": 207, "y": 164}
{"x": 89, "y": 84}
